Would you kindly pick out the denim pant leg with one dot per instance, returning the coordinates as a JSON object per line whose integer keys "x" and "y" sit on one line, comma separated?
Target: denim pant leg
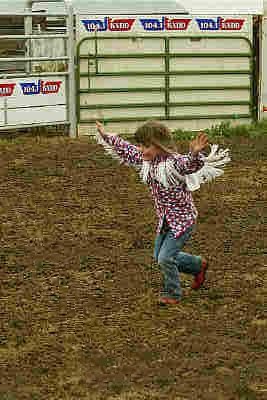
{"x": 167, "y": 253}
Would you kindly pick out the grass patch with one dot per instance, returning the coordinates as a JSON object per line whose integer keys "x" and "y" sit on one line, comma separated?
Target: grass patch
{"x": 16, "y": 268}
{"x": 164, "y": 381}
{"x": 43, "y": 267}
{"x": 16, "y": 324}
{"x": 87, "y": 261}
{"x": 8, "y": 396}
{"x": 258, "y": 347}
{"x": 3, "y": 340}
{"x": 31, "y": 172}
{"x": 80, "y": 163}
{"x": 20, "y": 340}
{"x": 245, "y": 393}
{"x": 215, "y": 295}
{"x": 102, "y": 160}
{"x": 243, "y": 390}
{"x": 118, "y": 386}
{"x": 225, "y": 129}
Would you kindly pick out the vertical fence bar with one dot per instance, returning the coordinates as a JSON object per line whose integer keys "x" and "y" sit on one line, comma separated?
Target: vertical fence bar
{"x": 167, "y": 78}
{"x": 78, "y": 83}
{"x": 28, "y": 31}
{"x": 5, "y": 111}
{"x": 71, "y": 71}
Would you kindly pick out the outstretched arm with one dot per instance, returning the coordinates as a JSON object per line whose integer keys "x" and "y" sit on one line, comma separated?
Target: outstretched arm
{"x": 194, "y": 160}
{"x": 126, "y": 151}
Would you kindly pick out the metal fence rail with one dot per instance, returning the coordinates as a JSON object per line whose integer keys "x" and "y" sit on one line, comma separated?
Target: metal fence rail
{"x": 93, "y": 64}
{"x": 30, "y": 81}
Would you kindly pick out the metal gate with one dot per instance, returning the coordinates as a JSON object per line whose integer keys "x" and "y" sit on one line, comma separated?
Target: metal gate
{"x": 40, "y": 89}
{"x": 178, "y": 78}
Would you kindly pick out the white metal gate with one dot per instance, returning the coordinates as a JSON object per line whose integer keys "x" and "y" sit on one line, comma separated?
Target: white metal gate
{"x": 40, "y": 95}
{"x": 188, "y": 71}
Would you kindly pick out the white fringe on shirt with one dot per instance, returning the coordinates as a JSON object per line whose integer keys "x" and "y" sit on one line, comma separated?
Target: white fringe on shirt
{"x": 209, "y": 171}
{"x": 166, "y": 174}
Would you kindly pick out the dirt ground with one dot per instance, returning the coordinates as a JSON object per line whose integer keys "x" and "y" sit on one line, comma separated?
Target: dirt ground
{"x": 79, "y": 287}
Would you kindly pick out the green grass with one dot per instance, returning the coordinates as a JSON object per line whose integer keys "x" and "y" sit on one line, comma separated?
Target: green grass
{"x": 33, "y": 172}
{"x": 225, "y": 129}
{"x": 243, "y": 390}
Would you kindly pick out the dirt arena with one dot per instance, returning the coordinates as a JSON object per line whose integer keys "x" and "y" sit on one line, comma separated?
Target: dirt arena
{"x": 79, "y": 287}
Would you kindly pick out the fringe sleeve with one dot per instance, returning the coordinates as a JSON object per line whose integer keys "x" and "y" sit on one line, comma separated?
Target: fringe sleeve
{"x": 179, "y": 168}
{"x": 188, "y": 164}
{"x": 120, "y": 149}
{"x": 209, "y": 171}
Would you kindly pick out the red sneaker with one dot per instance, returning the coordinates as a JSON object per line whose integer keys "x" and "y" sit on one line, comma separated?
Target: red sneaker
{"x": 201, "y": 276}
{"x": 164, "y": 301}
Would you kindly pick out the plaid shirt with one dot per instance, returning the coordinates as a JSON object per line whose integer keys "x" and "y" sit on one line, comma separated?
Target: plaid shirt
{"x": 176, "y": 202}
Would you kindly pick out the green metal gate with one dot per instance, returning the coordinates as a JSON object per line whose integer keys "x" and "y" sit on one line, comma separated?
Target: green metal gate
{"x": 126, "y": 78}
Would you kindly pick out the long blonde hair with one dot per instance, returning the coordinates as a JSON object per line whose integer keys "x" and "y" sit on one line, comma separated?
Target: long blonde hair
{"x": 155, "y": 133}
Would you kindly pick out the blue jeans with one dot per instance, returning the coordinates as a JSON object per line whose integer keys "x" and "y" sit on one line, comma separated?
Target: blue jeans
{"x": 168, "y": 254}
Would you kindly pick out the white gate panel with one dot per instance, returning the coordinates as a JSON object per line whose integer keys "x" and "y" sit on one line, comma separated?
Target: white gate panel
{"x": 33, "y": 100}
{"x": 214, "y": 110}
{"x": 173, "y": 68}
{"x": 43, "y": 90}
{"x": 34, "y": 92}
{"x": 227, "y": 45}
{"x": 37, "y": 115}
{"x": 122, "y": 98}
{"x": 123, "y": 46}
{"x": 212, "y": 64}
{"x": 2, "y": 116}
{"x": 141, "y": 113}
{"x": 226, "y": 80}
{"x": 213, "y": 95}
{"x": 123, "y": 82}
{"x": 137, "y": 65}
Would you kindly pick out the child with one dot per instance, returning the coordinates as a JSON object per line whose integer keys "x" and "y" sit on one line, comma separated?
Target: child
{"x": 169, "y": 176}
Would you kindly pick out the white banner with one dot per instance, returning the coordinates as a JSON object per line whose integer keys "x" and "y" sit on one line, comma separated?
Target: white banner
{"x": 165, "y": 24}
{"x": 31, "y": 100}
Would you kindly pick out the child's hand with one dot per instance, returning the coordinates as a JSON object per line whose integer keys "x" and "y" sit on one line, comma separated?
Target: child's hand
{"x": 199, "y": 143}
{"x": 100, "y": 128}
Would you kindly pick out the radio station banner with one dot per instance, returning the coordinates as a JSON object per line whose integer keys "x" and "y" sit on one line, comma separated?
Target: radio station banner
{"x": 32, "y": 100}
{"x": 164, "y": 24}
